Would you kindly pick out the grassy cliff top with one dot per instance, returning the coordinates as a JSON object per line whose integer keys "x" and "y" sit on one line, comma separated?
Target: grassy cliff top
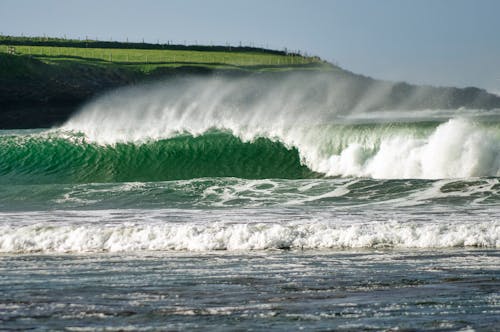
{"x": 89, "y": 43}
{"x": 147, "y": 58}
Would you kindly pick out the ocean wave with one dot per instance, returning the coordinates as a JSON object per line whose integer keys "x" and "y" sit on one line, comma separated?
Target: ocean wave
{"x": 308, "y": 117}
{"x": 196, "y": 128}
{"x": 129, "y": 237}
{"x": 458, "y": 148}
{"x": 57, "y": 158}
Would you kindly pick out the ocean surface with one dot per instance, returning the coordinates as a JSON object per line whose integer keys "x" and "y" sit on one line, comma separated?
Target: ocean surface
{"x": 195, "y": 212}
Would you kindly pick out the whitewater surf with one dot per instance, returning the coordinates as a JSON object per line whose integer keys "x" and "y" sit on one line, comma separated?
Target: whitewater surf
{"x": 255, "y": 176}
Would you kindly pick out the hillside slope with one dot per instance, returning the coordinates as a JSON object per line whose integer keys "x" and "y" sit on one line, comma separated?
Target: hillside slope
{"x": 43, "y": 91}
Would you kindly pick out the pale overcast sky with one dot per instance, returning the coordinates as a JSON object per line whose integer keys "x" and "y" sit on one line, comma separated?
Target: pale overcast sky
{"x": 438, "y": 42}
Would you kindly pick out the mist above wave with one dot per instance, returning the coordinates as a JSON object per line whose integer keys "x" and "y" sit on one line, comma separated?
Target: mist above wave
{"x": 308, "y": 112}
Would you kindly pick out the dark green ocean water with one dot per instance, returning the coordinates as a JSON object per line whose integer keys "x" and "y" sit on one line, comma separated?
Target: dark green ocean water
{"x": 200, "y": 210}
{"x": 215, "y": 232}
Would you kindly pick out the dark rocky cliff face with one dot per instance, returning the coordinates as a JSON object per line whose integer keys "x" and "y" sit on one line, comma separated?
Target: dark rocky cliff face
{"x": 35, "y": 94}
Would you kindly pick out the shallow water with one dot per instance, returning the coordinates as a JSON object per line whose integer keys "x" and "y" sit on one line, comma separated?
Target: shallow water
{"x": 442, "y": 290}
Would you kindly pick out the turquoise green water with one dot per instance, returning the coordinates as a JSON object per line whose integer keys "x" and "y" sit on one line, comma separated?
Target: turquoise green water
{"x": 357, "y": 226}
{"x": 54, "y": 159}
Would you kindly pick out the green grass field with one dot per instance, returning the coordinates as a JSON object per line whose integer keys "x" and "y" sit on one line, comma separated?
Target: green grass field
{"x": 148, "y": 60}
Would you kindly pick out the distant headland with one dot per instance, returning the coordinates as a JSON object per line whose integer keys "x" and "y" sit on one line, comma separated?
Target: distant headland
{"x": 43, "y": 81}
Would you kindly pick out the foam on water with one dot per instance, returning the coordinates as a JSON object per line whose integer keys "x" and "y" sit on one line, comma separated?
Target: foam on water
{"x": 165, "y": 175}
{"x": 107, "y": 231}
{"x": 456, "y": 149}
{"x": 341, "y": 193}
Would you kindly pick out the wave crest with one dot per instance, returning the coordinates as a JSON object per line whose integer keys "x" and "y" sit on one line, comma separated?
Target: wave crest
{"x": 456, "y": 149}
{"x": 302, "y": 114}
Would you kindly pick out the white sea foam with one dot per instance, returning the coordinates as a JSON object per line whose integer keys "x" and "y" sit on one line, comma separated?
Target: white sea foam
{"x": 47, "y": 237}
{"x": 456, "y": 149}
{"x": 301, "y": 114}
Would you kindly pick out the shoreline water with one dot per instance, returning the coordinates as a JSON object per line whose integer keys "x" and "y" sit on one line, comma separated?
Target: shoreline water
{"x": 431, "y": 290}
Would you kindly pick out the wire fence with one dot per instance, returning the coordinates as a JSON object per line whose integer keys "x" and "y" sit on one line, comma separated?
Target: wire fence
{"x": 155, "y": 56}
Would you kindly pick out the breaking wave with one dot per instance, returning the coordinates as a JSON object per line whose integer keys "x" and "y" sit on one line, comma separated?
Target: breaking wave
{"x": 56, "y": 159}
{"x": 218, "y": 164}
{"x": 296, "y": 116}
{"x": 201, "y": 236}
{"x": 458, "y": 148}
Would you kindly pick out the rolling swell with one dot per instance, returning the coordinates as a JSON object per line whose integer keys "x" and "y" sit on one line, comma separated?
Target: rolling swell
{"x": 306, "y": 114}
{"x": 53, "y": 158}
{"x": 457, "y": 148}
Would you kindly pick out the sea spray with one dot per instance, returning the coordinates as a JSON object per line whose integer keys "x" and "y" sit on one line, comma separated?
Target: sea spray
{"x": 307, "y": 113}
{"x": 456, "y": 149}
